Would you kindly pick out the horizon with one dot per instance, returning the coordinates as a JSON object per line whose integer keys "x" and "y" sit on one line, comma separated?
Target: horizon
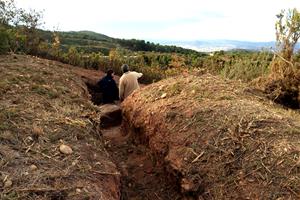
{"x": 251, "y": 21}
{"x": 196, "y": 40}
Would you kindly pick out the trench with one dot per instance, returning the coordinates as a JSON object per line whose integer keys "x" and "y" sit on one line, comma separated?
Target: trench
{"x": 144, "y": 175}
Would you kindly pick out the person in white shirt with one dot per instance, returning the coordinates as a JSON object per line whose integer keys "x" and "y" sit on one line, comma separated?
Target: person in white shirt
{"x": 128, "y": 82}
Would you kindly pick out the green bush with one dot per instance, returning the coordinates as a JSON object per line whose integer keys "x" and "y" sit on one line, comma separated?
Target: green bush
{"x": 4, "y": 41}
{"x": 245, "y": 70}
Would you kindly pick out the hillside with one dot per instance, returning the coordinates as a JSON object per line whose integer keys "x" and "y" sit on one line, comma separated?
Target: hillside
{"x": 86, "y": 41}
{"x": 89, "y": 41}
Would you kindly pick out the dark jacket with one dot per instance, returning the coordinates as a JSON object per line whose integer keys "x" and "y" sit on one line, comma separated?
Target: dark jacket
{"x": 109, "y": 89}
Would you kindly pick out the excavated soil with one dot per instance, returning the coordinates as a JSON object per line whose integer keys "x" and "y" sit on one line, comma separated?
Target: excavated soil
{"x": 217, "y": 138}
{"x": 43, "y": 104}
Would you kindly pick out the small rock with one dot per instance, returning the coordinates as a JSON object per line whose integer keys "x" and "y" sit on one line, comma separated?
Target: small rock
{"x": 8, "y": 183}
{"x": 78, "y": 190}
{"x": 164, "y": 95}
{"x": 33, "y": 167}
{"x": 65, "y": 149}
{"x": 30, "y": 138}
{"x": 74, "y": 163}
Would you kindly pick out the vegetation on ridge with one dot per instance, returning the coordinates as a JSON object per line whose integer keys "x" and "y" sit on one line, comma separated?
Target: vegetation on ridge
{"x": 19, "y": 33}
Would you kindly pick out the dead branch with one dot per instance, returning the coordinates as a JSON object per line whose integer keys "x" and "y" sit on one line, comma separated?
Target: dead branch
{"x": 47, "y": 189}
{"x": 107, "y": 173}
{"x": 285, "y": 60}
{"x": 199, "y": 156}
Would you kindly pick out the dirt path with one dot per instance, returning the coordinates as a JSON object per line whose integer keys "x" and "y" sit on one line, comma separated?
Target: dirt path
{"x": 143, "y": 176}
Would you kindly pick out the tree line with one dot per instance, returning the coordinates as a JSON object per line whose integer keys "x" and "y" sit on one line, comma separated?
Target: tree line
{"x": 19, "y": 32}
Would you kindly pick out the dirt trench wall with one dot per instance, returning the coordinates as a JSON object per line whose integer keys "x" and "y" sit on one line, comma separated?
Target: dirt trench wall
{"x": 44, "y": 105}
{"x": 222, "y": 141}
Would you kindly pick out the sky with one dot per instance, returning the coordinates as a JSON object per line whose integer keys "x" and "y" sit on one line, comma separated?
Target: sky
{"x": 173, "y": 20}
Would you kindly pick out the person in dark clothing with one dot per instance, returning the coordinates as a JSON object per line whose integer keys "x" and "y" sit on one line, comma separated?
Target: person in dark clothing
{"x": 109, "y": 88}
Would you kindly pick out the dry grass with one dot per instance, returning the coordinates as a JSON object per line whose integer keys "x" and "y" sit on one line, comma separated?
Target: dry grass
{"x": 221, "y": 140}
{"x": 43, "y": 104}
{"x": 284, "y": 90}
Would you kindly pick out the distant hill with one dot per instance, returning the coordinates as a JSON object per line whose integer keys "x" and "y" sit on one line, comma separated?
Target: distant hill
{"x": 89, "y": 41}
{"x": 90, "y": 35}
{"x": 86, "y": 41}
{"x": 217, "y": 45}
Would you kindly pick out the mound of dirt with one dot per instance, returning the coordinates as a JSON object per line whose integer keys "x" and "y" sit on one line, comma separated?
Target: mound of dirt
{"x": 50, "y": 147}
{"x": 219, "y": 140}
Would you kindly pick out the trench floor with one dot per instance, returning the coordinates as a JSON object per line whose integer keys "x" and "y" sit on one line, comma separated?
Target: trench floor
{"x": 143, "y": 176}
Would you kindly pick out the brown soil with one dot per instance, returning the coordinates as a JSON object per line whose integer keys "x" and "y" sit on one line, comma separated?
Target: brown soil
{"x": 143, "y": 175}
{"x": 219, "y": 140}
{"x": 190, "y": 137}
{"x": 91, "y": 76}
{"x": 43, "y": 104}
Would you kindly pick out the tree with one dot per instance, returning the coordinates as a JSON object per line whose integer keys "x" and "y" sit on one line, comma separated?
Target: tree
{"x": 20, "y": 26}
{"x": 55, "y": 50}
{"x": 28, "y": 22}
{"x": 8, "y": 11}
{"x": 287, "y": 35}
{"x": 283, "y": 86}
{"x": 4, "y": 40}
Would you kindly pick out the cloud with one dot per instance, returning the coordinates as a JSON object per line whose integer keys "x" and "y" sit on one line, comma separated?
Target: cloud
{"x": 166, "y": 19}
